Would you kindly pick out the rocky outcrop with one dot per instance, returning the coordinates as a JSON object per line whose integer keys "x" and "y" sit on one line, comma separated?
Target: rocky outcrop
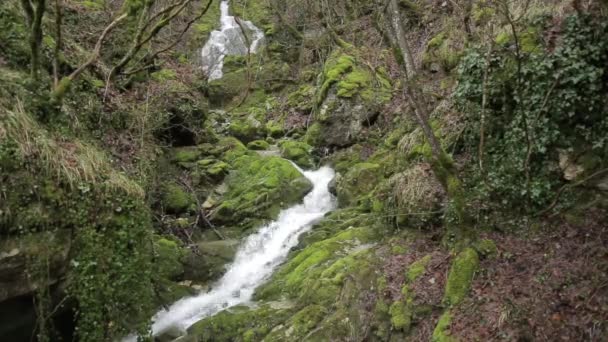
{"x": 19, "y": 258}
{"x": 348, "y": 100}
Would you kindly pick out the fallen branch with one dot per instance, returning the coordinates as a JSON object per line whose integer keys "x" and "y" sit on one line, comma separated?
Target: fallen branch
{"x": 568, "y": 186}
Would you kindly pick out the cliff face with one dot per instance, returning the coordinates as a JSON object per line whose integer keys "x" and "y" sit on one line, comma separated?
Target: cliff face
{"x": 129, "y": 192}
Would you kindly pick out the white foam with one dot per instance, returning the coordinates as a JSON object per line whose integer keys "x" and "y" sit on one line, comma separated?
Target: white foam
{"x": 229, "y": 40}
{"x": 255, "y": 260}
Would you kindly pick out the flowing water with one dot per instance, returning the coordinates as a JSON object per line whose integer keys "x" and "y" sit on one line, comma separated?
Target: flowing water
{"x": 229, "y": 40}
{"x": 255, "y": 260}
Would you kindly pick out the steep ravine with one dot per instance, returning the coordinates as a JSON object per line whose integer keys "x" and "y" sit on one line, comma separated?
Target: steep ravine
{"x": 256, "y": 258}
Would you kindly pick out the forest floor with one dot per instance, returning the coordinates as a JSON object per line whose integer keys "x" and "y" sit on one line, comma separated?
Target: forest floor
{"x": 549, "y": 286}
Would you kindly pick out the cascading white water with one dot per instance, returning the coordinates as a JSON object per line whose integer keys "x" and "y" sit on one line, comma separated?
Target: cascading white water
{"x": 255, "y": 260}
{"x": 229, "y": 40}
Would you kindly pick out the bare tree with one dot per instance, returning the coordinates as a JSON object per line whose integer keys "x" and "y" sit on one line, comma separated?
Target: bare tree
{"x": 34, "y": 11}
{"x": 442, "y": 164}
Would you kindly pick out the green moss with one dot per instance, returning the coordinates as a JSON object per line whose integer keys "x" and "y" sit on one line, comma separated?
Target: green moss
{"x": 247, "y": 129}
{"x": 298, "y": 326}
{"x": 175, "y": 199}
{"x": 460, "y": 277}
{"x": 237, "y": 324}
{"x": 258, "y": 188}
{"x": 400, "y": 316}
{"x": 217, "y": 170}
{"x": 353, "y": 82}
{"x": 440, "y": 49}
{"x": 298, "y": 152}
{"x": 258, "y": 145}
{"x": 229, "y": 148}
{"x": 164, "y": 75}
{"x": 441, "y": 332}
{"x": 486, "y": 248}
{"x": 418, "y": 268}
{"x": 398, "y": 249}
{"x": 436, "y": 41}
{"x": 315, "y": 274}
{"x": 275, "y": 129}
{"x": 186, "y": 155}
{"x": 313, "y": 134}
{"x": 359, "y": 181}
{"x": 168, "y": 256}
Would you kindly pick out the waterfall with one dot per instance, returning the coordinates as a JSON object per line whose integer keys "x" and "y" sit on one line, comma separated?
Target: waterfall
{"x": 229, "y": 40}
{"x": 255, "y": 260}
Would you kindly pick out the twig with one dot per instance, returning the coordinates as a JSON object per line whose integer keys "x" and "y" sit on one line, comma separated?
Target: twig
{"x": 568, "y": 186}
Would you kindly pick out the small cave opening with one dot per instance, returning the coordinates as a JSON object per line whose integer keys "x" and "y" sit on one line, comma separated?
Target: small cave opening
{"x": 177, "y": 133}
{"x": 19, "y": 320}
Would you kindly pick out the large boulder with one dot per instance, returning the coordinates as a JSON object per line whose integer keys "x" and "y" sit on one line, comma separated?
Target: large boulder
{"x": 16, "y": 265}
{"x": 349, "y": 99}
{"x": 298, "y": 152}
{"x": 258, "y": 188}
{"x": 359, "y": 181}
{"x": 208, "y": 261}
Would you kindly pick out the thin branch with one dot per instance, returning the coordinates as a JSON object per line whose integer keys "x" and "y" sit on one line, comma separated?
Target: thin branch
{"x": 58, "y": 41}
{"x": 152, "y": 56}
{"x": 98, "y": 45}
{"x": 569, "y": 186}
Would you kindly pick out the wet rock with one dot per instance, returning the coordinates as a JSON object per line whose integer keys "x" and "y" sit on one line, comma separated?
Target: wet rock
{"x": 298, "y": 152}
{"x": 15, "y": 260}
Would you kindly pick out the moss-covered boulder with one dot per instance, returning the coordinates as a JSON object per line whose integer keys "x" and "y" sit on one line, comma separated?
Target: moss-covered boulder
{"x": 258, "y": 188}
{"x": 247, "y": 129}
{"x": 461, "y": 275}
{"x": 239, "y": 323}
{"x": 17, "y": 255}
{"x": 359, "y": 181}
{"x": 298, "y": 152}
{"x": 175, "y": 199}
{"x": 415, "y": 190}
{"x": 316, "y": 273}
{"x": 207, "y": 262}
{"x": 349, "y": 99}
{"x": 258, "y": 145}
{"x": 168, "y": 256}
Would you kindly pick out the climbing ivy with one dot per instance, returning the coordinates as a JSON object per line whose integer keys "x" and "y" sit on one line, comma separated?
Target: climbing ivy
{"x": 112, "y": 269}
{"x": 537, "y": 102}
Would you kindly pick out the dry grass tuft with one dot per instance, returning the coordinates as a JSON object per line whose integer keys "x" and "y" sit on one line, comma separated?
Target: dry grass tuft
{"x": 72, "y": 162}
{"x": 416, "y": 189}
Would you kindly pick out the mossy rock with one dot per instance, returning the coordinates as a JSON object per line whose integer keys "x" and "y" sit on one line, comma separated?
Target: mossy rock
{"x": 359, "y": 181}
{"x": 349, "y": 98}
{"x": 460, "y": 276}
{"x": 168, "y": 258}
{"x": 298, "y": 152}
{"x": 417, "y": 268}
{"x": 247, "y": 129}
{"x": 217, "y": 170}
{"x": 442, "y": 329}
{"x": 186, "y": 155}
{"x": 209, "y": 261}
{"x": 299, "y": 325}
{"x": 275, "y": 129}
{"x": 258, "y": 145}
{"x": 259, "y": 188}
{"x": 443, "y": 50}
{"x": 486, "y": 248}
{"x": 316, "y": 273}
{"x": 232, "y": 84}
{"x": 175, "y": 199}
{"x": 239, "y": 323}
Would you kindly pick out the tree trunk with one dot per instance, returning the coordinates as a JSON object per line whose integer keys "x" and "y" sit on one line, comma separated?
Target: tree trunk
{"x": 443, "y": 167}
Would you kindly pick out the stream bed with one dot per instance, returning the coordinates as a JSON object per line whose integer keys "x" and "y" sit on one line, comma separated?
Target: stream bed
{"x": 257, "y": 257}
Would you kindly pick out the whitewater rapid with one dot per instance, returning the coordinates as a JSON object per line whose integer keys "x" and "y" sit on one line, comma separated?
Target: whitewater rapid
{"x": 255, "y": 260}
{"x": 229, "y": 40}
